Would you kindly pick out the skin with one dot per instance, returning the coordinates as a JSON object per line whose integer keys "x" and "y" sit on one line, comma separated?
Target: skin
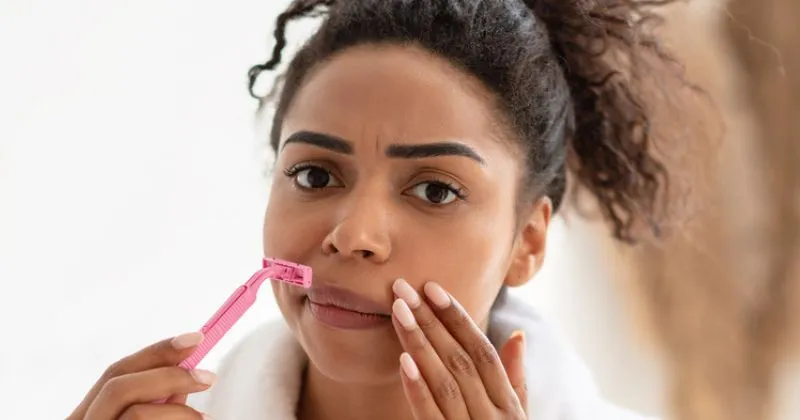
{"x": 128, "y": 388}
{"x": 376, "y": 203}
{"x": 373, "y": 223}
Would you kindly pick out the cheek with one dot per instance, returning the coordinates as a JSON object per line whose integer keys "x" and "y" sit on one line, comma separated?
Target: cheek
{"x": 288, "y": 233}
{"x": 469, "y": 259}
{"x": 475, "y": 275}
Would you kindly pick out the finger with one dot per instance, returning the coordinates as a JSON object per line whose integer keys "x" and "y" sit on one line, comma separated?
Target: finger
{"x": 164, "y": 353}
{"x": 474, "y": 341}
{"x": 144, "y": 387}
{"x": 444, "y": 387}
{"x": 177, "y": 399}
{"x": 419, "y": 396}
{"x": 512, "y": 354}
{"x": 161, "y": 412}
{"x": 454, "y": 357}
{"x": 168, "y": 352}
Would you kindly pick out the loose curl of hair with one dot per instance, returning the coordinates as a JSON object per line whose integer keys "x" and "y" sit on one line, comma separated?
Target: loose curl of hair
{"x": 565, "y": 74}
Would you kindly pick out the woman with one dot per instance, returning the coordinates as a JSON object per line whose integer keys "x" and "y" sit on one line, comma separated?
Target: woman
{"x": 424, "y": 147}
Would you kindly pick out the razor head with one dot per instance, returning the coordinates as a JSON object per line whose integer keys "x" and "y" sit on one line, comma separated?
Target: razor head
{"x": 289, "y": 272}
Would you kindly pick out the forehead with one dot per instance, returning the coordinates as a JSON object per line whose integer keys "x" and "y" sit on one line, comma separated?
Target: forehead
{"x": 395, "y": 94}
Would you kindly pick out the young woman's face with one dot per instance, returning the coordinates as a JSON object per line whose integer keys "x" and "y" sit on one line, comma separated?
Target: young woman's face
{"x": 390, "y": 165}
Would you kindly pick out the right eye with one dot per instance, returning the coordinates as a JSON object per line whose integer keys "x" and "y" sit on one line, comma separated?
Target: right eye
{"x": 312, "y": 177}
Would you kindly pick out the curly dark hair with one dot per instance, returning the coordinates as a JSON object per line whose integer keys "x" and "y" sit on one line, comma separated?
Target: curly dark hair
{"x": 564, "y": 73}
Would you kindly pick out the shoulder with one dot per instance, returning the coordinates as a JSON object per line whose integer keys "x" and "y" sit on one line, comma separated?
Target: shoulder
{"x": 560, "y": 384}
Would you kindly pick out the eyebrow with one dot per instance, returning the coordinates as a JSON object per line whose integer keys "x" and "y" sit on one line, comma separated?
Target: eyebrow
{"x": 418, "y": 151}
{"x": 324, "y": 141}
{"x": 403, "y": 151}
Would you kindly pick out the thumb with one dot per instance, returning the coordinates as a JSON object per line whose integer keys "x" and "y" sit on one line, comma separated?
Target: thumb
{"x": 512, "y": 354}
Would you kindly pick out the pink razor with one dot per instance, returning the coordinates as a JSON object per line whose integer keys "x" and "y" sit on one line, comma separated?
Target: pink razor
{"x": 242, "y": 299}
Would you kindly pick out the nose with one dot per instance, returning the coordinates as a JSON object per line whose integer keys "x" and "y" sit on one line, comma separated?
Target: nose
{"x": 362, "y": 232}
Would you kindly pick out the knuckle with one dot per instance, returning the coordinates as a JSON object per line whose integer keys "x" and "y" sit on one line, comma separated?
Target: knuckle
{"x": 115, "y": 389}
{"x": 484, "y": 352}
{"x": 515, "y": 413}
{"x": 512, "y": 405}
{"x": 116, "y": 369}
{"x": 447, "y": 390}
{"x": 460, "y": 363}
{"x": 521, "y": 389}
{"x": 426, "y": 322}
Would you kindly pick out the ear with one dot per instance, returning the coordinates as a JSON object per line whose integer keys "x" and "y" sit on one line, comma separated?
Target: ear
{"x": 528, "y": 253}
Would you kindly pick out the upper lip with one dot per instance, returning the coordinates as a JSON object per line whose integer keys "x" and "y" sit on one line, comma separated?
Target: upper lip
{"x": 328, "y": 295}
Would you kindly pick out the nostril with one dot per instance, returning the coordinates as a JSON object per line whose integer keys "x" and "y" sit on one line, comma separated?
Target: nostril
{"x": 367, "y": 254}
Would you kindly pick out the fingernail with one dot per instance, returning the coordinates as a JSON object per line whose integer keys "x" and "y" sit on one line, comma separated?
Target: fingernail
{"x": 519, "y": 335}
{"x": 437, "y": 295}
{"x": 204, "y": 377}
{"x": 184, "y": 341}
{"x": 404, "y": 291}
{"x": 403, "y": 314}
{"x": 409, "y": 367}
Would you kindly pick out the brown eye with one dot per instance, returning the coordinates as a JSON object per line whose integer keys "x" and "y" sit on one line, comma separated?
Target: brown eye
{"x": 435, "y": 192}
{"x": 313, "y": 177}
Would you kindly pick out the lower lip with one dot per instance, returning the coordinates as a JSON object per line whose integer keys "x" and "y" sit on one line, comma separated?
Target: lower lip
{"x": 335, "y": 316}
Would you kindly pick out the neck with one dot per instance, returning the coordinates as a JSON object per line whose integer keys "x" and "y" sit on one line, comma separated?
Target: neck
{"x": 324, "y": 399}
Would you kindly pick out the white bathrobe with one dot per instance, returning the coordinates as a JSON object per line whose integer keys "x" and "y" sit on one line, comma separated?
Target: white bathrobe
{"x": 260, "y": 378}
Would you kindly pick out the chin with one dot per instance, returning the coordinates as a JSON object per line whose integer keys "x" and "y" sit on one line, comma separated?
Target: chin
{"x": 363, "y": 356}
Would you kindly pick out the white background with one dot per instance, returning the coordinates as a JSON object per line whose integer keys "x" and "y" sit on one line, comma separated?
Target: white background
{"x": 132, "y": 193}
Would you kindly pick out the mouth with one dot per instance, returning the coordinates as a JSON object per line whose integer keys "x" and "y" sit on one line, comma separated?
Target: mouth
{"x": 341, "y": 308}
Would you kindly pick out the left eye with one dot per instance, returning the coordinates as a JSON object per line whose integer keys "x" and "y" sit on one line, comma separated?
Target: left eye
{"x": 435, "y": 192}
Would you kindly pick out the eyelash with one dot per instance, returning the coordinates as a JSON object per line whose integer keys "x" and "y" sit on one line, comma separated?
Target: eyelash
{"x": 292, "y": 172}
{"x": 455, "y": 189}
